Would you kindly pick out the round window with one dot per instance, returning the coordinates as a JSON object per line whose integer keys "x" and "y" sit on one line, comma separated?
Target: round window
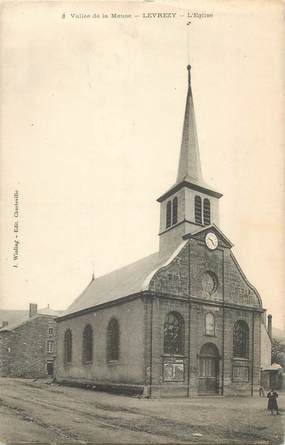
{"x": 210, "y": 282}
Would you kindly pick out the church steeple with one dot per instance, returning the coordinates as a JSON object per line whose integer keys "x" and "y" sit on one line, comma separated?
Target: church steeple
{"x": 189, "y": 163}
{"x": 189, "y": 204}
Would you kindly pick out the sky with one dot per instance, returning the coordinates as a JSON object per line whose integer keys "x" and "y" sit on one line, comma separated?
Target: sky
{"x": 91, "y": 123}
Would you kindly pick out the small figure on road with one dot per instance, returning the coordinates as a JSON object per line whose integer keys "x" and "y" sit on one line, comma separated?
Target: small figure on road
{"x": 272, "y": 401}
{"x": 261, "y": 391}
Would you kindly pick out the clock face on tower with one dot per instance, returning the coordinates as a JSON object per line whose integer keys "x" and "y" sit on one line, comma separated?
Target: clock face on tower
{"x": 211, "y": 241}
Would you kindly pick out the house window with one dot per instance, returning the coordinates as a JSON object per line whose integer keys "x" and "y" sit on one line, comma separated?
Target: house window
{"x": 113, "y": 340}
{"x": 198, "y": 210}
{"x": 174, "y": 210}
{"x": 68, "y": 346}
{"x": 206, "y": 212}
{"x": 168, "y": 214}
{"x": 241, "y": 339}
{"x": 50, "y": 346}
{"x": 50, "y": 331}
{"x": 87, "y": 349}
{"x": 174, "y": 334}
{"x": 209, "y": 324}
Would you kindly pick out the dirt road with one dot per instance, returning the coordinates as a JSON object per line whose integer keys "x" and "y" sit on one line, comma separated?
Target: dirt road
{"x": 38, "y": 412}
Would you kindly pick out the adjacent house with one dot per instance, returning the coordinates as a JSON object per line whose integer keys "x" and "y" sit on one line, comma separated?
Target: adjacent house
{"x": 28, "y": 344}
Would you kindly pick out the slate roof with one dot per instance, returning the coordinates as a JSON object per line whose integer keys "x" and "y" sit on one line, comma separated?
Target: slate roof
{"x": 123, "y": 282}
{"x": 12, "y": 315}
{"x": 17, "y": 323}
{"x": 279, "y": 333}
{"x": 189, "y": 162}
{"x": 49, "y": 311}
{"x": 26, "y": 318}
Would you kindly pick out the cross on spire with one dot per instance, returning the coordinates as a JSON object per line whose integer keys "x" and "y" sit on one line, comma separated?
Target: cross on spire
{"x": 189, "y": 75}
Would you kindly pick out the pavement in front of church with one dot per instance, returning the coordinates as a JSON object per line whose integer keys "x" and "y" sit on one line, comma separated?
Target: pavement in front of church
{"x": 34, "y": 411}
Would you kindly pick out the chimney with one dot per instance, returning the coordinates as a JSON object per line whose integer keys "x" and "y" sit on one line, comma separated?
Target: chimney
{"x": 4, "y": 323}
{"x": 33, "y": 310}
{"x": 269, "y": 326}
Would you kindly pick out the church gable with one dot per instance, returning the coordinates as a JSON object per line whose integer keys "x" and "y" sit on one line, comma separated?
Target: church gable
{"x": 206, "y": 268}
{"x": 215, "y": 274}
{"x": 205, "y": 273}
{"x": 173, "y": 279}
{"x": 238, "y": 290}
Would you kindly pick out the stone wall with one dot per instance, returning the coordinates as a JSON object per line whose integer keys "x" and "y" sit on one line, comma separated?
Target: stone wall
{"x": 129, "y": 369}
{"x": 231, "y": 300}
{"x": 5, "y": 354}
{"x": 24, "y": 349}
{"x": 228, "y": 384}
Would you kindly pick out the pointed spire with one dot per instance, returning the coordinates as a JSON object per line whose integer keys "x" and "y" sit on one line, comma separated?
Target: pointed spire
{"x": 189, "y": 163}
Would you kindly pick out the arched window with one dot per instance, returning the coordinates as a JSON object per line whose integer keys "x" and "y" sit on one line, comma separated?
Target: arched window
{"x": 207, "y": 212}
{"x": 198, "y": 210}
{"x": 168, "y": 214}
{"x": 87, "y": 346}
{"x": 241, "y": 339}
{"x": 174, "y": 334}
{"x": 174, "y": 210}
{"x": 209, "y": 350}
{"x": 68, "y": 346}
{"x": 209, "y": 324}
{"x": 113, "y": 340}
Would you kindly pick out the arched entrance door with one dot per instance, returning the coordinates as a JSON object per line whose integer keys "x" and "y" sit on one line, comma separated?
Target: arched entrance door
{"x": 209, "y": 369}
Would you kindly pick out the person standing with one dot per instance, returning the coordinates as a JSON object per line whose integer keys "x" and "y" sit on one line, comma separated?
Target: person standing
{"x": 272, "y": 401}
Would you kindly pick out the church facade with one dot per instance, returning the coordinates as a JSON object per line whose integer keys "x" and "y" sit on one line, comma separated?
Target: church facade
{"x": 184, "y": 321}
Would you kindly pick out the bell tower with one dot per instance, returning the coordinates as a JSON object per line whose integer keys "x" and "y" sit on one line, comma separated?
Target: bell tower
{"x": 189, "y": 204}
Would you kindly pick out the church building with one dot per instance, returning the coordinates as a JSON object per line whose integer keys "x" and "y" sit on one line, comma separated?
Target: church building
{"x": 184, "y": 321}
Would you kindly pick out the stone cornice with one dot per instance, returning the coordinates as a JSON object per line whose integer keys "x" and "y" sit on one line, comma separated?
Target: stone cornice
{"x": 189, "y": 185}
{"x": 151, "y": 295}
